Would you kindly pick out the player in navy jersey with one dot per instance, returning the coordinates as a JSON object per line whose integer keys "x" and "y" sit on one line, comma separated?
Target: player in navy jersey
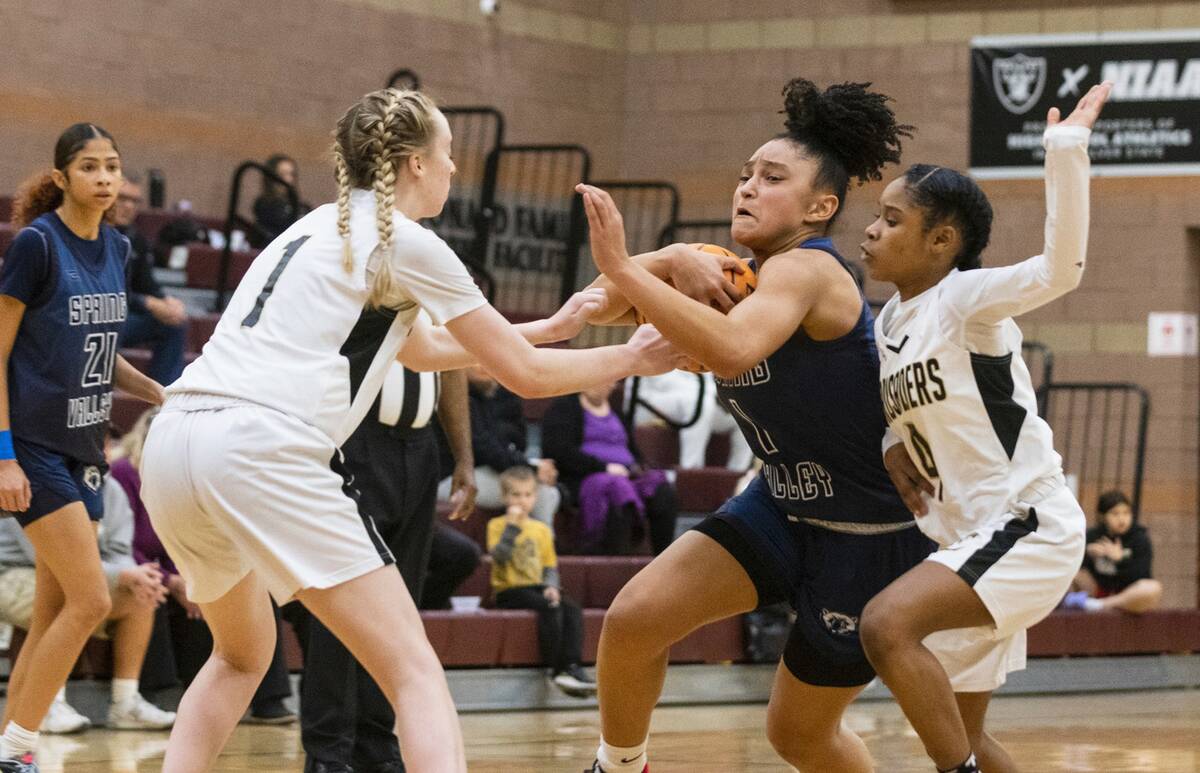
{"x": 795, "y": 363}
{"x": 62, "y": 305}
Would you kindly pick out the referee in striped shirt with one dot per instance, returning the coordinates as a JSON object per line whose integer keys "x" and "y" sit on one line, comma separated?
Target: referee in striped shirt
{"x": 346, "y": 722}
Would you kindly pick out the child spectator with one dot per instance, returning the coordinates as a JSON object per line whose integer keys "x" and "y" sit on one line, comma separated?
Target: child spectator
{"x": 525, "y": 576}
{"x": 498, "y": 437}
{"x": 1116, "y": 564}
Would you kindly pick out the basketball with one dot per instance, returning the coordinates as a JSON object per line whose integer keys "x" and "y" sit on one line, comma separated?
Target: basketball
{"x": 745, "y": 282}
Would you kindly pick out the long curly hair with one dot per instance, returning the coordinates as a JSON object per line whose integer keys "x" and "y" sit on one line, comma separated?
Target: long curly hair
{"x": 40, "y": 194}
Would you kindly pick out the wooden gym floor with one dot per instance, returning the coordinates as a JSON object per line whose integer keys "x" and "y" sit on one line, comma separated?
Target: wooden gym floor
{"x": 1113, "y": 732}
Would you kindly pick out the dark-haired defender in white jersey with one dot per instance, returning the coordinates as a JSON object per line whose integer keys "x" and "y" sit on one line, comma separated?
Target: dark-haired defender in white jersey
{"x": 987, "y": 485}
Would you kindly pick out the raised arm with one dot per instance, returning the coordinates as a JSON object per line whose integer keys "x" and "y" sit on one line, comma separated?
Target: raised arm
{"x": 990, "y": 295}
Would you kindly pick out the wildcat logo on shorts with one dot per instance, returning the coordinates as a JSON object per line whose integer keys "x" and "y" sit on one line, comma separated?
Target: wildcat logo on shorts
{"x": 92, "y": 478}
{"x": 836, "y": 622}
{"x": 1019, "y": 81}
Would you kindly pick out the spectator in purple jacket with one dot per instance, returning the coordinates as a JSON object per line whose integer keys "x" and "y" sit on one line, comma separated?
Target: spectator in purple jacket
{"x": 618, "y": 498}
{"x": 181, "y": 641}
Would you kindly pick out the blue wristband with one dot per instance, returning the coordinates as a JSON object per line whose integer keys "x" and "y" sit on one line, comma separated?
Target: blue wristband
{"x": 6, "y": 446}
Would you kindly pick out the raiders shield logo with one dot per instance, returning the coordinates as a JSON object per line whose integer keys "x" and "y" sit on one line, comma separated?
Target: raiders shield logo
{"x": 92, "y": 478}
{"x": 836, "y": 622}
{"x": 1019, "y": 81}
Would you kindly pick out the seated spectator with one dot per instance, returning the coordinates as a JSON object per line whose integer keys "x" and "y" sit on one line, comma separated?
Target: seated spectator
{"x": 675, "y": 396}
{"x": 617, "y": 498}
{"x": 1116, "y": 563}
{"x": 498, "y": 437}
{"x": 525, "y": 576}
{"x": 273, "y": 211}
{"x": 154, "y": 318}
{"x": 136, "y": 591}
{"x": 181, "y": 641}
{"x": 453, "y": 557}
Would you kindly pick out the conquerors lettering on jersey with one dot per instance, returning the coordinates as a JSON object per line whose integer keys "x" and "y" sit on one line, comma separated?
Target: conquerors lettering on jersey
{"x": 912, "y": 386}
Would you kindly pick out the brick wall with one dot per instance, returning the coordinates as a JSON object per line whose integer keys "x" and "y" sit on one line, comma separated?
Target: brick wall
{"x": 676, "y": 89}
{"x": 702, "y": 91}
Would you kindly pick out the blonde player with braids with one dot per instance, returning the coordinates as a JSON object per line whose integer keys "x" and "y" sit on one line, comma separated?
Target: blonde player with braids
{"x": 241, "y": 467}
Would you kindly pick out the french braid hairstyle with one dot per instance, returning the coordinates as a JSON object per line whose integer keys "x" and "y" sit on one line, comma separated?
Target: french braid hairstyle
{"x": 947, "y": 196}
{"x": 372, "y": 140}
{"x": 850, "y": 131}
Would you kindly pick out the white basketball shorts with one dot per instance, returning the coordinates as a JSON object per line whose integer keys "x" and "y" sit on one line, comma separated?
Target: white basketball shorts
{"x": 233, "y": 486}
{"x": 1020, "y": 564}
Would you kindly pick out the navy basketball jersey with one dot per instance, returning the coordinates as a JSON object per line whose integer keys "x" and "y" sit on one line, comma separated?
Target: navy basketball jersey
{"x": 60, "y": 372}
{"x": 812, "y": 414}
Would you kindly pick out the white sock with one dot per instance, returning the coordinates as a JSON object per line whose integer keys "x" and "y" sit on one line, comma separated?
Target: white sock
{"x": 1092, "y": 605}
{"x": 17, "y": 742}
{"x": 123, "y": 691}
{"x": 622, "y": 759}
{"x": 62, "y": 694}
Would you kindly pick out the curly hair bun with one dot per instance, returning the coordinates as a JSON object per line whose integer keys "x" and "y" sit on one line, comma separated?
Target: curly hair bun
{"x": 854, "y": 125}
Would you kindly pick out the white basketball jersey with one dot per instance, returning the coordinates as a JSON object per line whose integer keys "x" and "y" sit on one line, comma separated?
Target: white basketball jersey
{"x": 969, "y": 419}
{"x": 298, "y": 335}
{"x": 954, "y": 386}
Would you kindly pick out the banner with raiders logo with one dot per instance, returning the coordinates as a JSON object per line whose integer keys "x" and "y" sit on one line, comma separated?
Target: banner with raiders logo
{"x": 1151, "y": 125}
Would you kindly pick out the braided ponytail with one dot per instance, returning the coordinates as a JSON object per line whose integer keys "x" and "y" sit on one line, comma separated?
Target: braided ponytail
{"x": 372, "y": 139}
{"x": 949, "y": 196}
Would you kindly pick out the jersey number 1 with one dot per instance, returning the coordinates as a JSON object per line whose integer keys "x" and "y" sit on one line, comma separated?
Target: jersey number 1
{"x": 288, "y": 253}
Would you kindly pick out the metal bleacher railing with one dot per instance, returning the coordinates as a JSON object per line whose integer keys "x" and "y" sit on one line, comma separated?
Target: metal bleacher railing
{"x": 1100, "y": 431}
{"x": 534, "y": 224}
{"x": 465, "y": 221}
{"x": 233, "y": 219}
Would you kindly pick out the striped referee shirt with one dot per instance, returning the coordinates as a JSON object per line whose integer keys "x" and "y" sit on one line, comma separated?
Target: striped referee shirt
{"x": 408, "y": 399}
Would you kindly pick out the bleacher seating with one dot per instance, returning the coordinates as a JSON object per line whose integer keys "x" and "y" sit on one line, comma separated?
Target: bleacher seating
{"x": 204, "y": 266}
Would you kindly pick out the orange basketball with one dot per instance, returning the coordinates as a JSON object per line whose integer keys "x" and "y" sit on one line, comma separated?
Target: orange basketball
{"x": 745, "y": 281}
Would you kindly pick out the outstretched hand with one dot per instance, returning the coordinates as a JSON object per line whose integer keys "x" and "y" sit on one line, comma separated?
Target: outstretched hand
{"x": 1086, "y": 111}
{"x": 653, "y": 354}
{"x": 606, "y": 229}
{"x": 569, "y": 321}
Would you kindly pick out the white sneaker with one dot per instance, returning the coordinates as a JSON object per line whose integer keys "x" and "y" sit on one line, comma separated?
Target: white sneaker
{"x": 63, "y": 718}
{"x": 139, "y": 714}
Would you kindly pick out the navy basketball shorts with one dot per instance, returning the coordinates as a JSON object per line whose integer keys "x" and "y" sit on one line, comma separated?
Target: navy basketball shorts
{"x": 56, "y": 481}
{"x": 827, "y": 576}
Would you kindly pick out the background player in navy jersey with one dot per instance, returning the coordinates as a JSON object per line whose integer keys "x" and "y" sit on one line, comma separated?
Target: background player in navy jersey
{"x": 987, "y": 484}
{"x": 62, "y": 306}
{"x": 795, "y": 364}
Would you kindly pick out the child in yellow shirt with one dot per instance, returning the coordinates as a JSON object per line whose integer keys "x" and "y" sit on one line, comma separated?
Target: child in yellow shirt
{"x": 525, "y": 576}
